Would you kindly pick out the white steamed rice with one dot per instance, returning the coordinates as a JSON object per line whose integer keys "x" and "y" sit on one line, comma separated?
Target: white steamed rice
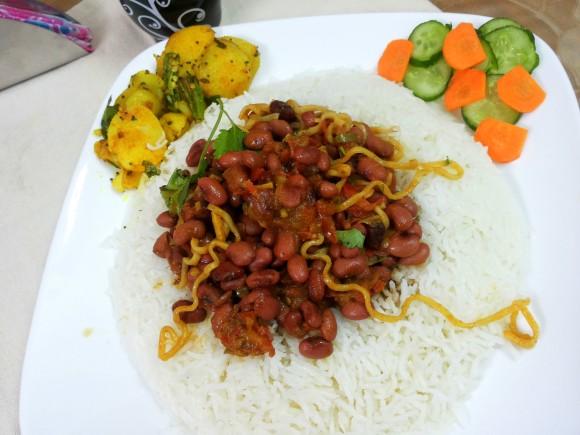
{"x": 411, "y": 376}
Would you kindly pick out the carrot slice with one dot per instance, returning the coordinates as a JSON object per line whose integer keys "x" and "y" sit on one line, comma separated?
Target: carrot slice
{"x": 395, "y": 59}
{"x": 504, "y": 141}
{"x": 466, "y": 87}
{"x": 518, "y": 89}
{"x": 462, "y": 48}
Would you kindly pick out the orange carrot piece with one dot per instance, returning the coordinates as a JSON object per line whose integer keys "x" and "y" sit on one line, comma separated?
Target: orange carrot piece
{"x": 466, "y": 86}
{"x": 395, "y": 59}
{"x": 462, "y": 48}
{"x": 518, "y": 89}
{"x": 504, "y": 141}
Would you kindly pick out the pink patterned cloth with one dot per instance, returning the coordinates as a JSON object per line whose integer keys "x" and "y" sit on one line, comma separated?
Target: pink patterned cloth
{"x": 49, "y": 18}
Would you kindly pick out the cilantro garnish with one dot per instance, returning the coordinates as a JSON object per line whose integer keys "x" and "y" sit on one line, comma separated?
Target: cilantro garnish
{"x": 352, "y": 238}
{"x": 108, "y": 115}
{"x": 175, "y": 192}
{"x": 150, "y": 169}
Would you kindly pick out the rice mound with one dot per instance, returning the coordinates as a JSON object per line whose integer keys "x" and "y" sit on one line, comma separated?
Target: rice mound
{"x": 410, "y": 376}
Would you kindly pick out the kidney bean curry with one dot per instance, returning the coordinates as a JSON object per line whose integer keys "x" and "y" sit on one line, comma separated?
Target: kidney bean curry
{"x": 292, "y": 218}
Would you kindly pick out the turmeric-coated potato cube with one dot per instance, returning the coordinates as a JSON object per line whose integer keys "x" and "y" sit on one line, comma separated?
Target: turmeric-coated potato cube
{"x": 189, "y": 43}
{"x": 136, "y": 136}
{"x": 224, "y": 70}
{"x": 174, "y": 125}
{"x": 250, "y": 50}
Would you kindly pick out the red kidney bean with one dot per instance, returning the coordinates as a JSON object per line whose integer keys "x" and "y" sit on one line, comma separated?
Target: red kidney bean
{"x": 315, "y": 285}
{"x": 284, "y": 110}
{"x": 348, "y": 252}
{"x": 354, "y": 310}
{"x": 205, "y": 258}
{"x": 315, "y": 348}
{"x": 175, "y": 259}
{"x": 262, "y": 260}
{"x": 308, "y": 155}
{"x": 194, "y": 154}
{"x": 236, "y": 178}
{"x": 381, "y": 272}
{"x": 247, "y": 302}
{"x": 286, "y": 245}
{"x": 400, "y": 217}
{"x": 280, "y": 128}
{"x": 241, "y": 253}
{"x": 167, "y": 220}
{"x": 403, "y": 245}
{"x": 268, "y": 237}
{"x": 230, "y": 159}
{"x": 293, "y": 323}
{"x": 347, "y": 267}
{"x": 263, "y": 278}
{"x": 377, "y": 145}
{"x": 284, "y": 309}
{"x": 227, "y": 271}
{"x": 335, "y": 251}
{"x": 185, "y": 231}
{"x": 298, "y": 269}
{"x": 298, "y": 181}
{"x": 371, "y": 170}
{"x": 235, "y": 200}
{"x": 213, "y": 192}
{"x": 409, "y": 204}
{"x": 327, "y": 190}
{"x": 323, "y": 163}
{"x": 251, "y": 227}
{"x": 361, "y": 227}
{"x": 260, "y": 125}
{"x": 161, "y": 246}
{"x": 196, "y": 316}
{"x": 359, "y": 133}
{"x": 375, "y": 234}
{"x": 389, "y": 261}
{"x": 418, "y": 257}
{"x": 309, "y": 119}
{"x": 208, "y": 295}
{"x": 415, "y": 229}
{"x": 229, "y": 285}
{"x": 252, "y": 159}
{"x": 256, "y": 139}
{"x": 311, "y": 314}
{"x": 328, "y": 325}
{"x": 267, "y": 307}
{"x": 289, "y": 196}
{"x": 273, "y": 162}
{"x": 276, "y": 263}
{"x": 220, "y": 316}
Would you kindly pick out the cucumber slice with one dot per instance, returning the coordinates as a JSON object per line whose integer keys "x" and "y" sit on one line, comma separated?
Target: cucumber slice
{"x": 497, "y": 23}
{"x": 489, "y": 107}
{"x": 513, "y": 46}
{"x": 490, "y": 61}
{"x": 430, "y": 82}
{"x": 427, "y": 39}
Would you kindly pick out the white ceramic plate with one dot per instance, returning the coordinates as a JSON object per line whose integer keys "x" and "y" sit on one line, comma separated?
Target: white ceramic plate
{"x": 77, "y": 378}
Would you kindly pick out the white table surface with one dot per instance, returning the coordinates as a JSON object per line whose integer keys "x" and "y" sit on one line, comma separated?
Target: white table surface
{"x": 44, "y": 123}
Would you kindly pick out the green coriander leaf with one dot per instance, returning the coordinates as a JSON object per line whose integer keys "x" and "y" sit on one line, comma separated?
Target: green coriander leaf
{"x": 150, "y": 169}
{"x": 352, "y": 238}
{"x": 108, "y": 115}
{"x": 175, "y": 191}
{"x": 229, "y": 140}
